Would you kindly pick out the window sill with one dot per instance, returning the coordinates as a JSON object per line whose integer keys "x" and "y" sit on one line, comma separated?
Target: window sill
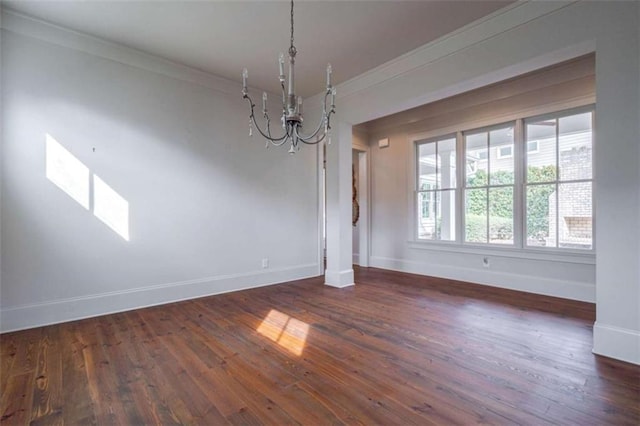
{"x": 563, "y": 256}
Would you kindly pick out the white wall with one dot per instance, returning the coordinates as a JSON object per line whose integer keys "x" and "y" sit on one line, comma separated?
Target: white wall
{"x": 1, "y": 147}
{"x": 206, "y": 203}
{"x": 515, "y": 40}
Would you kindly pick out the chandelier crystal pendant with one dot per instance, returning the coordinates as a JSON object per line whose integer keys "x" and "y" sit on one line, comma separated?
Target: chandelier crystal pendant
{"x": 292, "y": 118}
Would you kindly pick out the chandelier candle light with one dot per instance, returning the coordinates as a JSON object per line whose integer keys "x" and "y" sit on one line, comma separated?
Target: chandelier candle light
{"x": 292, "y": 119}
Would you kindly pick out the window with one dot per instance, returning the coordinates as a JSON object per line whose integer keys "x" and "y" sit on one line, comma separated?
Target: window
{"x": 505, "y": 151}
{"x": 426, "y": 200}
{"x": 558, "y": 188}
{"x": 436, "y": 195}
{"x": 523, "y": 184}
{"x": 488, "y": 193}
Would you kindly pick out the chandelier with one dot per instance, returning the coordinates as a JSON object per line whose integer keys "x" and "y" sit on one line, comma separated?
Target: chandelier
{"x": 291, "y": 120}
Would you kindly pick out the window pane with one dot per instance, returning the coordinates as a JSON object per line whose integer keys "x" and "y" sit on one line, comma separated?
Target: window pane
{"x": 427, "y": 166}
{"x": 475, "y": 215}
{"x": 575, "y": 147}
{"x": 501, "y": 142}
{"x": 541, "y": 215}
{"x": 426, "y": 215}
{"x": 574, "y": 216}
{"x": 541, "y": 163}
{"x": 477, "y": 167}
{"x": 501, "y": 215}
{"x": 446, "y": 215}
{"x": 437, "y": 215}
{"x": 447, "y": 163}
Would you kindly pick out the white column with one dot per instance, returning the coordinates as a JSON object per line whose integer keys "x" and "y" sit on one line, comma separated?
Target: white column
{"x": 616, "y": 332}
{"x": 339, "y": 271}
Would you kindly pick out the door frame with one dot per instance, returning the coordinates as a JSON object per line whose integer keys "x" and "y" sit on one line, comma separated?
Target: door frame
{"x": 364, "y": 200}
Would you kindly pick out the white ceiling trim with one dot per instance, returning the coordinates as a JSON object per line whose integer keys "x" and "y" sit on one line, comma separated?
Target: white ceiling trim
{"x": 44, "y": 31}
{"x": 485, "y": 28}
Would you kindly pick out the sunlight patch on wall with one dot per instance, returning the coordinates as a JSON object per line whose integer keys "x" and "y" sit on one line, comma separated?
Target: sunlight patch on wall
{"x": 74, "y": 178}
{"x": 288, "y": 332}
{"x": 67, "y": 172}
{"x": 110, "y": 207}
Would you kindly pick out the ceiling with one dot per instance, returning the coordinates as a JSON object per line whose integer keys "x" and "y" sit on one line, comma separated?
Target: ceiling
{"x": 222, "y": 37}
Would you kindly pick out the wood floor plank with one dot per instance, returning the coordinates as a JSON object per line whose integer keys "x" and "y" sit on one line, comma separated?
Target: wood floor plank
{"x": 396, "y": 349}
{"x": 147, "y": 352}
{"x": 15, "y": 407}
{"x": 78, "y": 406}
{"x": 8, "y": 352}
{"x": 177, "y": 373}
{"x": 47, "y": 398}
{"x": 27, "y": 351}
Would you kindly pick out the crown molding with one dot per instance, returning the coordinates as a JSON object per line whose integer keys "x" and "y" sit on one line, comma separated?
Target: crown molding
{"x": 28, "y": 26}
{"x": 492, "y": 25}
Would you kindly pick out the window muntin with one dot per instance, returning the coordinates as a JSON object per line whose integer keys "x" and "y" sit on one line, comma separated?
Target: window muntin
{"x": 558, "y": 186}
{"x": 436, "y": 193}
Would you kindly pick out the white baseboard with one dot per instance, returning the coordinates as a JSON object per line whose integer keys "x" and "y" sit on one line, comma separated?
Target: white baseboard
{"x": 356, "y": 259}
{"x": 546, "y": 286}
{"x": 339, "y": 279}
{"x": 57, "y": 311}
{"x": 616, "y": 342}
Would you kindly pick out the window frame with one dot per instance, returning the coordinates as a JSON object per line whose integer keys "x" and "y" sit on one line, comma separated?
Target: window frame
{"x": 519, "y": 249}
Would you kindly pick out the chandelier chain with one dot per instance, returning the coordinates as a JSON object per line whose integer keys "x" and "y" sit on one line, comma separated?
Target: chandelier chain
{"x": 292, "y": 48}
{"x": 291, "y": 23}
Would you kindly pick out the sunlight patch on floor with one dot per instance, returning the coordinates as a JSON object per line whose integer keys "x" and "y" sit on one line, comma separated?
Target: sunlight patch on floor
{"x": 288, "y": 332}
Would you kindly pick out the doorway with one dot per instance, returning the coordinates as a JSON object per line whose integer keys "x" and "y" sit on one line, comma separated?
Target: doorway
{"x": 360, "y": 205}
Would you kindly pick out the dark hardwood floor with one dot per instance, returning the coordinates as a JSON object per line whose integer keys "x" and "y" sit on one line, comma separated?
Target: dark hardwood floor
{"x": 397, "y": 349}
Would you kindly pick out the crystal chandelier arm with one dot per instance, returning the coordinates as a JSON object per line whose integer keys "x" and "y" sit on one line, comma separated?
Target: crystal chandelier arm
{"x": 326, "y": 121}
{"x": 308, "y": 139}
{"x": 270, "y": 139}
{"x": 255, "y": 123}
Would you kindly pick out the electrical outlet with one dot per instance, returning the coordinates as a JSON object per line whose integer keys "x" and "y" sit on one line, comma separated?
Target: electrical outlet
{"x": 265, "y": 263}
{"x": 485, "y": 262}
